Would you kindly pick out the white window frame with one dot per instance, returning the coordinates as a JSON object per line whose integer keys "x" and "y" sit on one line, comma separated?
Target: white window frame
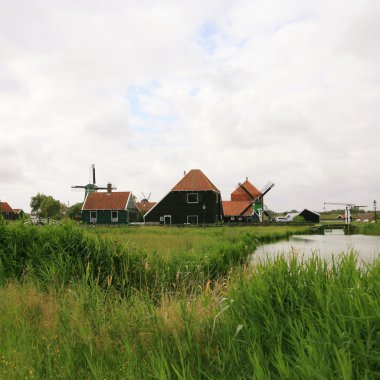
{"x": 114, "y": 220}
{"x": 232, "y": 218}
{"x": 197, "y": 201}
{"x": 168, "y": 216}
{"x": 93, "y": 220}
{"x": 192, "y": 216}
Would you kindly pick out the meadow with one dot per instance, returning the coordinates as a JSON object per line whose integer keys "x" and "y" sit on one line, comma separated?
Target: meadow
{"x": 180, "y": 303}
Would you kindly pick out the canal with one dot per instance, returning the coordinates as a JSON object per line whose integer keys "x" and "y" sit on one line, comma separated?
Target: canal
{"x": 326, "y": 246}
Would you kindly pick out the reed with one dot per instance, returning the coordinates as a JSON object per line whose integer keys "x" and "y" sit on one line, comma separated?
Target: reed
{"x": 78, "y": 304}
{"x": 283, "y": 319}
{"x": 60, "y": 254}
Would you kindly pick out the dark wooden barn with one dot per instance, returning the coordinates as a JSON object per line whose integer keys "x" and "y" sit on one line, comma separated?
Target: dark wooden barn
{"x": 19, "y": 213}
{"x": 310, "y": 216}
{"x": 110, "y": 208}
{"x": 193, "y": 200}
{"x": 7, "y": 211}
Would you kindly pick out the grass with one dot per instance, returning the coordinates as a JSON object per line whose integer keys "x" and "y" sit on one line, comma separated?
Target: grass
{"x": 168, "y": 241}
{"x": 65, "y": 311}
{"x": 56, "y": 255}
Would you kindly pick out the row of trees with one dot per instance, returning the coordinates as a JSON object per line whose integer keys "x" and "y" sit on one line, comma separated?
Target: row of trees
{"x": 48, "y": 207}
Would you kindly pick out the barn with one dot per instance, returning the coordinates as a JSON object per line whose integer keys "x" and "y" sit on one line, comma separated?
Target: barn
{"x": 111, "y": 207}
{"x": 310, "y": 216}
{"x": 193, "y": 200}
{"x": 6, "y": 211}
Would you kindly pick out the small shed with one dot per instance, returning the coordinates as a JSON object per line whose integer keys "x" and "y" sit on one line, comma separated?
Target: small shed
{"x": 308, "y": 215}
{"x": 18, "y": 213}
{"x": 110, "y": 208}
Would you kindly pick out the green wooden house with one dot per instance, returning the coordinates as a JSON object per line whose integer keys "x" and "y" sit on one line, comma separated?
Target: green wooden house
{"x": 109, "y": 207}
{"x": 193, "y": 200}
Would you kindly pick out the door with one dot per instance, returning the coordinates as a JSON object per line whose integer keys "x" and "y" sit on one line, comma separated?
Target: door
{"x": 167, "y": 219}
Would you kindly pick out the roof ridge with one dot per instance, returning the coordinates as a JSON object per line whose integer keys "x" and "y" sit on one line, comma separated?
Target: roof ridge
{"x": 207, "y": 179}
{"x": 194, "y": 180}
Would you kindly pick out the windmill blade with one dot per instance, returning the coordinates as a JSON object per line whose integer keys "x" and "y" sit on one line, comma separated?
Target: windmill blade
{"x": 93, "y": 174}
{"x": 77, "y": 188}
{"x": 244, "y": 188}
{"x": 103, "y": 187}
{"x": 145, "y": 198}
{"x": 267, "y": 187}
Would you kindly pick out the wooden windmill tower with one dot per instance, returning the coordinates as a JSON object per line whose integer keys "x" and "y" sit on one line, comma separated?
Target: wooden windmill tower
{"x": 92, "y": 187}
{"x": 256, "y": 197}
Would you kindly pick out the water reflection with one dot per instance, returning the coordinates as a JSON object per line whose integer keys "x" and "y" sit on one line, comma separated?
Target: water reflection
{"x": 326, "y": 246}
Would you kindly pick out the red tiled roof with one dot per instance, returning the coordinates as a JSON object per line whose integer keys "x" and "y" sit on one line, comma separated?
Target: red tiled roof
{"x": 117, "y": 200}
{"x": 4, "y": 207}
{"x": 236, "y": 208}
{"x": 145, "y": 206}
{"x": 240, "y": 195}
{"x": 195, "y": 180}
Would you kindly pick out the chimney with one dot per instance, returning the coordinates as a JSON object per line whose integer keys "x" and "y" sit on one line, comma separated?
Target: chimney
{"x": 184, "y": 173}
{"x": 246, "y": 178}
{"x": 109, "y": 188}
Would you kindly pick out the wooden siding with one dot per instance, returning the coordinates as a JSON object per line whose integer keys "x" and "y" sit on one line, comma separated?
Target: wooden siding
{"x": 310, "y": 216}
{"x": 175, "y": 204}
{"x": 131, "y": 215}
{"x": 242, "y": 219}
{"x": 9, "y": 215}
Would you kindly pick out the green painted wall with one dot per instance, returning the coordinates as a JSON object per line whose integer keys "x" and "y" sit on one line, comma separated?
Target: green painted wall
{"x": 104, "y": 216}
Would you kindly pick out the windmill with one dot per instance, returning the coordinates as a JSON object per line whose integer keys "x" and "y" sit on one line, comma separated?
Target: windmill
{"x": 145, "y": 199}
{"x": 348, "y": 208}
{"x": 93, "y": 187}
{"x": 257, "y": 200}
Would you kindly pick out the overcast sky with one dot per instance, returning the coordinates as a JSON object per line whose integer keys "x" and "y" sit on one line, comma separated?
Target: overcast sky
{"x": 287, "y": 91}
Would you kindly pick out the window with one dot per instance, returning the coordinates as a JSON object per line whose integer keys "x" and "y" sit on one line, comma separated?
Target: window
{"x": 192, "y": 198}
{"x": 192, "y": 219}
{"x": 232, "y": 218}
{"x": 114, "y": 217}
{"x": 92, "y": 216}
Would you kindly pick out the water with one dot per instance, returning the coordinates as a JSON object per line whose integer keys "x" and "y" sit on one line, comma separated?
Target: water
{"x": 326, "y": 246}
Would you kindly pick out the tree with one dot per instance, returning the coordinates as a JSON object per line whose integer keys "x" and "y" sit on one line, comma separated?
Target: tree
{"x": 299, "y": 219}
{"x": 75, "y": 211}
{"x": 35, "y": 202}
{"x": 50, "y": 207}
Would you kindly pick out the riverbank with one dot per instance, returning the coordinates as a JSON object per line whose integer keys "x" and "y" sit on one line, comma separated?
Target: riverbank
{"x": 75, "y": 305}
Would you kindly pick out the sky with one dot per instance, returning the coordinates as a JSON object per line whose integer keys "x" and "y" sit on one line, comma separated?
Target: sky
{"x": 287, "y": 91}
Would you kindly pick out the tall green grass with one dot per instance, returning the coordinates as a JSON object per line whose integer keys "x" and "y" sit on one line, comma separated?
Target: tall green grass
{"x": 279, "y": 320}
{"x": 369, "y": 228}
{"x": 60, "y": 254}
{"x": 77, "y": 305}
